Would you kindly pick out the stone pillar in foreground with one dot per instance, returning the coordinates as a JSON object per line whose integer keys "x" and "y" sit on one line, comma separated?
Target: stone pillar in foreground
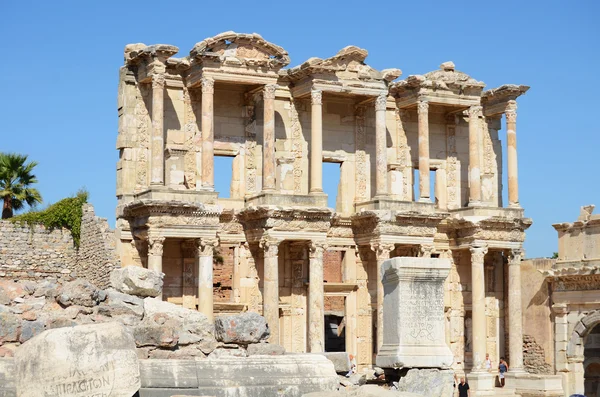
{"x": 423, "y": 116}
{"x": 478, "y": 306}
{"x": 271, "y": 287}
{"x": 382, "y": 253}
{"x": 381, "y": 179}
{"x": 511, "y": 155}
{"x": 413, "y": 314}
{"x": 515, "y": 315}
{"x": 208, "y": 134}
{"x": 474, "y": 166}
{"x": 316, "y": 300}
{"x": 155, "y": 252}
{"x": 157, "y": 174}
{"x": 204, "y": 258}
{"x": 268, "y": 183}
{"x": 316, "y": 142}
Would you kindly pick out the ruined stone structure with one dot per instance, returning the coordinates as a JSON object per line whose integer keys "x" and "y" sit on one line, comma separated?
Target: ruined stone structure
{"x": 232, "y": 96}
{"x": 575, "y": 288}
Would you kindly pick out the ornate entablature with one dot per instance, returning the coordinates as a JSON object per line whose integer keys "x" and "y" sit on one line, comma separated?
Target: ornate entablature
{"x": 346, "y": 72}
{"x": 495, "y": 232}
{"x": 396, "y": 226}
{"x": 150, "y": 60}
{"x": 239, "y": 57}
{"x": 499, "y": 100}
{"x": 230, "y": 225}
{"x": 446, "y": 86}
{"x": 285, "y": 222}
{"x": 579, "y": 244}
{"x": 171, "y": 218}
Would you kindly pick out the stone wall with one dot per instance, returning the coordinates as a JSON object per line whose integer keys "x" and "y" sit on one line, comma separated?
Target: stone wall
{"x": 534, "y": 357}
{"x": 96, "y": 256}
{"x": 36, "y": 253}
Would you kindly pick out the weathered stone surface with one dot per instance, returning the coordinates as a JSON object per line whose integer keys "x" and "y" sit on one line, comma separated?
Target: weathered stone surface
{"x": 117, "y": 304}
{"x": 10, "y": 327}
{"x": 135, "y": 280}
{"x": 149, "y": 333}
{"x": 269, "y": 349}
{"x": 30, "y": 329}
{"x": 227, "y": 353}
{"x": 78, "y": 292}
{"x": 86, "y": 360}
{"x": 7, "y": 379}
{"x": 340, "y": 360}
{"x": 241, "y": 328}
{"x": 427, "y": 382}
{"x": 365, "y": 391}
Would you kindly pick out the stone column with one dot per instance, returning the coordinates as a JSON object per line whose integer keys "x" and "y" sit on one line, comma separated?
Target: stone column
{"x": 382, "y": 252}
{"x": 474, "y": 166}
{"x": 511, "y": 154}
{"x": 381, "y": 179}
{"x": 316, "y": 300}
{"x": 157, "y": 174}
{"x": 271, "y": 287}
{"x": 515, "y": 315}
{"x": 423, "y": 115}
{"x": 155, "y": 252}
{"x": 235, "y": 282}
{"x": 316, "y": 143}
{"x": 208, "y": 135}
{"x": 478, "y": 307}
{"x": 268, "y": 183}
{"x": 204, "y": 257}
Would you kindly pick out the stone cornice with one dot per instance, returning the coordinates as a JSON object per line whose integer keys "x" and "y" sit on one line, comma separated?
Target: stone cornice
{"x": 144, "y": 208}
{"x": 136, "y": 53}
{"x": 285, "y": 218}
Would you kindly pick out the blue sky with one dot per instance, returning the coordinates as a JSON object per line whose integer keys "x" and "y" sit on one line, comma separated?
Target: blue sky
{"x": 61, "y": 59}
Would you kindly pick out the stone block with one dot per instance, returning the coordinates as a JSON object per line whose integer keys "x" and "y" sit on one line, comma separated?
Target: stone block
{"x": 341, "y": 361}
{"x": 31, "y": 329}
{"x": 244, "y": 328}
{"x": 265, "y": 349}
{"x": 7, "y": 378}
{"x": 135, "y": 280}
{"x": 98, "y": 359}
{"x": 10, "y": 327}
{"x": 413, "y": 314}
{"x": 117, "y": 304}
{"x": 78, "y": 292}
{"x": 433, "y": 382}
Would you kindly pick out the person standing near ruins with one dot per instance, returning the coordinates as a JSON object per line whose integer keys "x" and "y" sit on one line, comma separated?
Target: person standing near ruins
{"x": 502, "y": 368}
{"x": 488, "y": 362}
{"x": 463, "y": 389}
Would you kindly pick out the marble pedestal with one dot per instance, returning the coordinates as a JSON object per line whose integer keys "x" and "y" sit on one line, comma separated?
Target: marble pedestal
{"x": 413, "y": 314}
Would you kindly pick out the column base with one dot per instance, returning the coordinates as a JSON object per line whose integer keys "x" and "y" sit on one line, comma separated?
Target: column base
{"x": 474, "y": 204}
{"x": 481, "y": 381}
{"x": 514, "y": 205}
{"x": 424, "y": 200}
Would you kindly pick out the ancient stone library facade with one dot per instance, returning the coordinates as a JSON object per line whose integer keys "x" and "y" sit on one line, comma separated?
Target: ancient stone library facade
{"x": 273, "y": 246}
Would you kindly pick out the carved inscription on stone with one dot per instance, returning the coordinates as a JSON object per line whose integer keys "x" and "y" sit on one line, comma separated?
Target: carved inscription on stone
{"x": 420, "y": 310}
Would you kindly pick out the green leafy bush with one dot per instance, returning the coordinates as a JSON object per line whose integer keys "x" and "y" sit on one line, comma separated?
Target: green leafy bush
{"x": 66, "y": 213}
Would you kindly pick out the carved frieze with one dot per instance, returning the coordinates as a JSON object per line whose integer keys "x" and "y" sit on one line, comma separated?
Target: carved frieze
{"x": 361, "y": 166}
{"x": 285, "y": 219}
{"x": 576, "y": 283}
{"x": 404, "y": 224}
{"x": 493, "y": 228}
{"x": 297, "y": 147}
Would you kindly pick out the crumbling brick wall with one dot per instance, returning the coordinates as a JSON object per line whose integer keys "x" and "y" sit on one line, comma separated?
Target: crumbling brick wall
{"x": 223, "y": 274}
{"x": 35, "y": 253}
{"x": 534, "y": 358}
{"x": 96, "y": 256}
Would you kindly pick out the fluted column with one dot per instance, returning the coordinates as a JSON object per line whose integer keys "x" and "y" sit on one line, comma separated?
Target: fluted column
{"x": 474, "y": 166}
{"x": 157, "y": 174}
{"x": 271, "y": 287}
{"x": 204, "y": 259}
{"x": 316, "y": 142}
{"x": 381, "y": 179}
{"x": 208, "y": 134}
{"x": 515, "y": 314}
{"x": 316, "y": 300}
{"x": 155, "y": 252}
{"x": 382, "y": 252}
{"x": 423, "y": 116}
{"x": 268, "y": 183}
{"x": 511, "y": 154}
{"x": 478, "y": 306}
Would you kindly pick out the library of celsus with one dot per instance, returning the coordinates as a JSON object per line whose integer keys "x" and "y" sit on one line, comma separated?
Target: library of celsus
{"x": 420, "y": 162}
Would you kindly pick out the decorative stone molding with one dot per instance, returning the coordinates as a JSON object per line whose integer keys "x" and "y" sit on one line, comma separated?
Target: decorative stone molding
{"x": 316, "y": 97}
{"x": 155, "y": 245}
{"x": 285, "y": 219}
{"x": 269, "y": 91}
{"x": 208, "y": 85}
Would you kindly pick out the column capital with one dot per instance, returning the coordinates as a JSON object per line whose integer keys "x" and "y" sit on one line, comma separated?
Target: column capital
{"x": 316, "y": 249}
{"x": 155, "y": 245}
{"x": 515, "y": 256}
{"x": 475, "y": 111}
{"x": 560, "y": 309}
{"x": 381, "y": 102}
{"x": 426, "y": 250}
{"x": 205, "y": 245}
{"x": 382, "y": 250}
{"x": 270, "y": 246}
{"x": 422, "y": 106}
{"x": 208, "y": 85}
{"x": 511, "y": 111}
{"x": 478, "y": 253}
{"x": 316, "y": 97}
{"x": 158, "y": 81}
{"x": 269, "y": 91}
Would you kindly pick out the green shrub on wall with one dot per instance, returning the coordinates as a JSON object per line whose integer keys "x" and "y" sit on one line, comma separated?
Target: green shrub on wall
{"x": 66, "y": 213}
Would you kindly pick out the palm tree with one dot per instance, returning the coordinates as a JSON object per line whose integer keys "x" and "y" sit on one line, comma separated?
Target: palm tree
{"x": 15, "y": 180}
